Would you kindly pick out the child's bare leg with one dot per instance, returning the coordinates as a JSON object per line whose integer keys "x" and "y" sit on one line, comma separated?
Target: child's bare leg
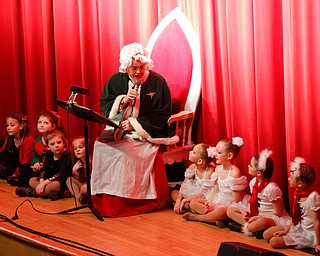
{"x": 174, "y": 195}
{"x": 278, "y": 242}
{"x": 260, "y": 224}
{"x": 197, "y": 205}
{"x": 83, "y": 193}
{"x": 236, "y": 215}
{"x": 34, "y": 182}
{"x": 268, "y": 234}
{"x": 73, "y": 187}
{"x": 211, "y": 217}
{"x": 83, "y": 189}
{"x": 52, "y": 186}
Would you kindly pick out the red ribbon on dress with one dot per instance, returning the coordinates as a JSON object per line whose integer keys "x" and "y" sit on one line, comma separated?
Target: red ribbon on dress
{"x": 296, "y": 210}
{"x": 254, "y": 196}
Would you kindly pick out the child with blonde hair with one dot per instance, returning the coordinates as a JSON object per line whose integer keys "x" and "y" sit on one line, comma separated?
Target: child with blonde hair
{"x": 197, "y": 181}
{"x": 304, "y": 230}
{"x": 230, "y": 185}
{"x": 266, "y": 207}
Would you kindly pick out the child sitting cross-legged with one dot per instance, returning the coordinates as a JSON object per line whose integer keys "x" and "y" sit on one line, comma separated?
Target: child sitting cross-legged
{"x": 229, "y": 186}
{"x": 304, "y": 230}
{"x": 197, "y": 181}
{"x": 57, "y": 166}
{"x": 266, "y": 207}
{"x": 77, "y": 183}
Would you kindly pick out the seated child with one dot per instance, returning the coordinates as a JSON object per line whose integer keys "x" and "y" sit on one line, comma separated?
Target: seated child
{"x": 266, "y": 207}
{"x": 51, "y": 181}
{"x": 46, "y": 122}
{"x": 77, "y": 183}
{"x": 230, "y": 185}
{"x": 16, "y": 152}
{"x": 197, "y": 181}
{"x": 304, "y": 230}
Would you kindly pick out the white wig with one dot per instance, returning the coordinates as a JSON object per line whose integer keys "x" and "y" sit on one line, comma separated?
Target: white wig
{"x": 136, "y": 51}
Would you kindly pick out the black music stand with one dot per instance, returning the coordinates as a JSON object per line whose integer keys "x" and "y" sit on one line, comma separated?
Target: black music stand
{"x": 87, "y": 115}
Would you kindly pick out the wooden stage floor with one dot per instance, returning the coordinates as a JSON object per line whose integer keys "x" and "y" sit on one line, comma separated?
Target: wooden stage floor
{"x": 158, "y": 233}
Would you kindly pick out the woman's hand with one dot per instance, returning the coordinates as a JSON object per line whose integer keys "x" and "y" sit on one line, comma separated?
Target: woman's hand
{"x": 126, "y": 125}
{"x": 132, "y": 94}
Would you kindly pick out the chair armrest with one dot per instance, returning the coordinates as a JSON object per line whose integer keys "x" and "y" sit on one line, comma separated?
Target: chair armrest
{"x": 182, "y": 115}
{"x": 182, "y": 126}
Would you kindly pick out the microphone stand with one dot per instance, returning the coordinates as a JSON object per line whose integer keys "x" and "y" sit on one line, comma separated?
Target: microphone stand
{"x": 72, "y": 98}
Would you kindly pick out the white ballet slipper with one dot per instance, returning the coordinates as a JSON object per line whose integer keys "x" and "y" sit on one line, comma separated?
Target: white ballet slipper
{"x": 245, "y": 230}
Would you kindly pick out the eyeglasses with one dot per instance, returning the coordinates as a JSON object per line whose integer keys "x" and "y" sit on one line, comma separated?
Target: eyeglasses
{"x": 140, "y": 68}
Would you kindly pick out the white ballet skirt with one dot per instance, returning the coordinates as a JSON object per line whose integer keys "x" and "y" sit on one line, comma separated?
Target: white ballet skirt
{"x": 303, "y": 235}
{"x": 193, "y": 184}
{"x": 271, "y": 193}
{"x": 223, "y": 197}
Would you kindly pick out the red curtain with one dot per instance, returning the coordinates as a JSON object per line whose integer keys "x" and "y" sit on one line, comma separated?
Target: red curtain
{"x": 259, "y": 65}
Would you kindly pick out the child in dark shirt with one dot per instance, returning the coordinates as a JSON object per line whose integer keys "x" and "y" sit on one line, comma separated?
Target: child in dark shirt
{"x": 57, "y": 167}
{"x": 16, "y": 152}
{"x": 46, "y": 122}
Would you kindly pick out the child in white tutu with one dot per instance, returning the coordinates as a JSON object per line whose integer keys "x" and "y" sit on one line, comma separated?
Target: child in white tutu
{"x": 304, "y": 230}
{"x": 197, "y": 181}
{"x": 266, "y": 207}
{"x": 229, "y": 189}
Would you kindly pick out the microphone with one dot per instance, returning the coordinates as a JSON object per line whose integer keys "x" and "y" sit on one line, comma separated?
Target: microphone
{"x": 80, "y": 90}
{"x": 136, "y": 85}
{"x": 74, "y": 91}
